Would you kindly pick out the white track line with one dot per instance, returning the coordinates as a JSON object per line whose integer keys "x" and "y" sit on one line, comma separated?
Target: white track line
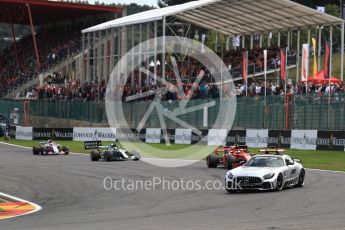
{"x": 83, "y": 154}
{"x": 25, "y": 147}
{"x": 36, "y": 206}
{"x": 325, "y": 170}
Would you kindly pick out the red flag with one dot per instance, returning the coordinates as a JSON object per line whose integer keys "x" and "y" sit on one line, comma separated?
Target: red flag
{"x": 282, "y": 64}
{"x": 244, "y": 65}
{"x": 327, "y": 60}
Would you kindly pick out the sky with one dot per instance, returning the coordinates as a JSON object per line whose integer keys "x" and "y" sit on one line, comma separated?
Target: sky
{"x": 139, "y": 2}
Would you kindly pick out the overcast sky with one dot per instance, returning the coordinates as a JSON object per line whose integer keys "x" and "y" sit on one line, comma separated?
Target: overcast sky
{"x": 139, "y": 2}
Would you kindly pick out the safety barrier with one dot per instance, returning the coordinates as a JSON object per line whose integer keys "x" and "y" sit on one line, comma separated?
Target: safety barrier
{"x": 255, "y": 138}
{"x": 300, "y": 112}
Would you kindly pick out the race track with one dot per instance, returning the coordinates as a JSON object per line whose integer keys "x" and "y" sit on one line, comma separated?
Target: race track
{"x": 70, "y": 191}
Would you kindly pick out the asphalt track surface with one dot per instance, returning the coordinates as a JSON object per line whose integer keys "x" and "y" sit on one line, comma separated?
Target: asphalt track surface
{"x": 70, "y": 191}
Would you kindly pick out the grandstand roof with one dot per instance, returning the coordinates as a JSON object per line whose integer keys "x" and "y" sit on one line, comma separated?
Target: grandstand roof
{"x": 232, "y": 17}
{"x": 44, "y": 12}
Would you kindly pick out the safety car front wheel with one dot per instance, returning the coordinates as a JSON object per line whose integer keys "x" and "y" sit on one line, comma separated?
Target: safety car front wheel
{"x": 280, "y": 182}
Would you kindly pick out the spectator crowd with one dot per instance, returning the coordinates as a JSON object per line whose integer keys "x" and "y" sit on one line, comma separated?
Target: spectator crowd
{"x": 54, "y": 44}
{"x": 57, "y": 43}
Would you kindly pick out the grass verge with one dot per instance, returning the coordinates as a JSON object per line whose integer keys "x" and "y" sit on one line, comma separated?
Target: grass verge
{"x": 316, "y": 159}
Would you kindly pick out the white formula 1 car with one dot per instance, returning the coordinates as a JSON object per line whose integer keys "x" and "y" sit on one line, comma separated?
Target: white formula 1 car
{"x": 50, "y": 148}
{"x": 113, "y": 152}
{"x": 266, "y": 172}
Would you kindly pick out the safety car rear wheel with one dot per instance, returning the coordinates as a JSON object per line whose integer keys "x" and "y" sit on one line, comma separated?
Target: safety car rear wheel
{"x": 301, "y": 178}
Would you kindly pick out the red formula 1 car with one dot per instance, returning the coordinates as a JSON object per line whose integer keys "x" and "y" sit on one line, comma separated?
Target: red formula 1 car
{"x": 228, "y": 156}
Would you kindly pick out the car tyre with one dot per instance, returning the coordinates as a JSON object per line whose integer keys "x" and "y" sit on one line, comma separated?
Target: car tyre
{"x": 280, "y": 182}
{"x": 107, "y": 156}
{"x": 35, "y": 150}
{"x": 43, "y": 151}
{"x": 229, "y": 188}
{"x": 301, "y": 178}
{"x": 212, "y": 161}
{"x": 229, "y": 161}
{"x": 136, "y": 155}
{"x": 95, "y": 156}
{"x": 65, "y": 149}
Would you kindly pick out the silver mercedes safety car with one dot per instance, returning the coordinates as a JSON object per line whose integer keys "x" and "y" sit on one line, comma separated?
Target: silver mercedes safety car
{"x": 266, "y": 172}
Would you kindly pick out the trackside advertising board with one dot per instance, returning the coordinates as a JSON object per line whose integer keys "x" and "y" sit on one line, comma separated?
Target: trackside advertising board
{"x": 52, "y": 133}
{"x": 23, "y": 133}
{"x": 93, "y": 134}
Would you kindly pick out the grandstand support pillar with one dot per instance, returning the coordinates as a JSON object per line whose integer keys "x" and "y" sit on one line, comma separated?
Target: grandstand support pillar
{"x": 112, "y": 50}
{"x": 243, "y": 41}
{"x": 94, "y": 56}
{"x": 309, "y": 37}
{"x": 298, "y": 53}
{"x": 279, "y": 34}
{"x": 260, "y": 43}
{"x": 155, "y": 51}
{"x": 100, "y": 57}
{"x": 132, "y": 56}
{"x": 163, "y": 48}
{"x": 147, "y": 53}
{"x": 105, "y": 55}
{"x": 87, "y": 77}
{"x": 269, "y": 40}
{"x": 38, "y": 64}
{"x": 288, "y": 39}
{"x": 330, "y": 50}
{"x": 342, "y": 52}
{"x": 251, "y": 41}
{"x": 140, "y": 50}
{"x": 319, "y": 48}
{"x": 119, "y": 46}
{"x": 83, "y": 77}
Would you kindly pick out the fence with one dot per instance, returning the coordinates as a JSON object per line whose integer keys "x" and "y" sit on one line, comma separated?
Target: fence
{"x": 303, "y": 112}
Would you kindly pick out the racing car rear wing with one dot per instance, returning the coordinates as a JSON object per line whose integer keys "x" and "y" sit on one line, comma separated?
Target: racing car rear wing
{"x": 272, "y": 151}
{"x": 223, "y": 148}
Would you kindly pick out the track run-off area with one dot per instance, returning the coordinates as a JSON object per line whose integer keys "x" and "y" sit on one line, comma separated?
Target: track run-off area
{"x": 70, "y": 190}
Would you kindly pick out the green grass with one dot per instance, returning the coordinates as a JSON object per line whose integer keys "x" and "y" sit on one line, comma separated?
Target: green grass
{"x": 318, "y": 159}
{"x": 329, "y": 160}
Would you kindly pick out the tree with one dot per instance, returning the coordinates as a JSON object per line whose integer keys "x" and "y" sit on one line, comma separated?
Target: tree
{"x": 333, "y": 9}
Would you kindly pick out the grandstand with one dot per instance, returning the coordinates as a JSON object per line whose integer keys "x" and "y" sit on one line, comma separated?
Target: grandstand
{"x": 53, "y": 50}
{"x": 279, "y": 23}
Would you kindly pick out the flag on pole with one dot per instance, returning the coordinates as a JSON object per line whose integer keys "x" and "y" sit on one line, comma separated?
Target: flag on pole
{"x": 313, "y": 40}
{"x": 245, "y": 69}
{"x": 305, "y": 62}
{"x": 244, "y": 65}
{"x": 283, "y": 64}
{"x": 327, "y": 60}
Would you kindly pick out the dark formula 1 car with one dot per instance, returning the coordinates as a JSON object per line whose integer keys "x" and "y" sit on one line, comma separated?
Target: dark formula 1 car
{"x": 229, "y": 156}
{"x": 113, "y": 152}
{"x": 50, "y": 148}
